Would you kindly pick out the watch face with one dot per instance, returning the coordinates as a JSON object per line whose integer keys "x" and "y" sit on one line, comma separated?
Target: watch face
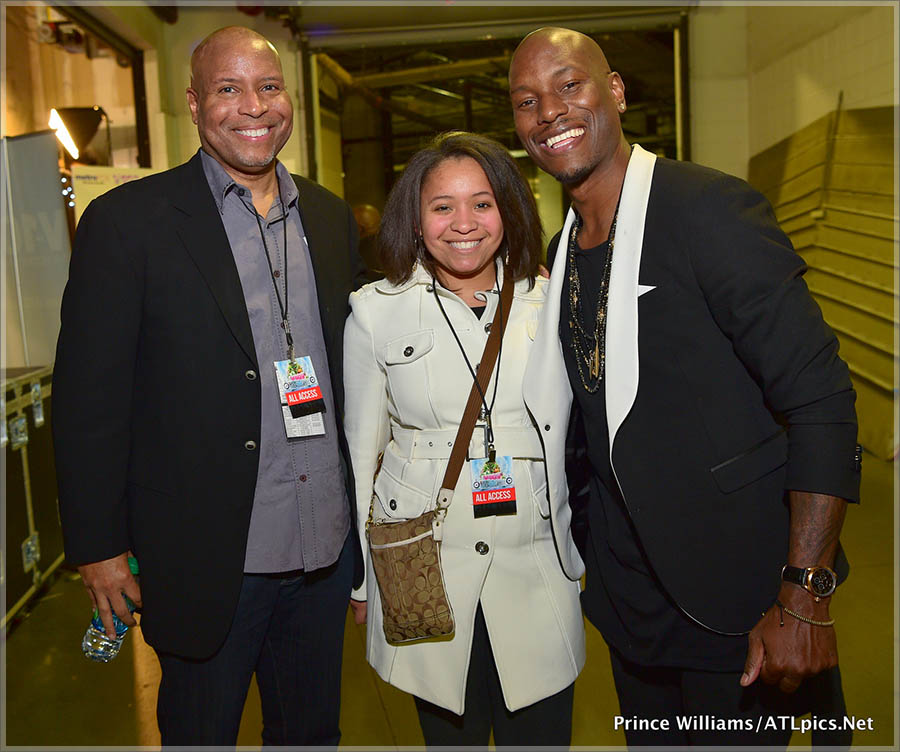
{"x": 821, "y": 582}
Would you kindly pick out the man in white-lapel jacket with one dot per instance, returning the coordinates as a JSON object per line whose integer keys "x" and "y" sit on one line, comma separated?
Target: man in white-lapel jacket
{"x": 715, "y": 412}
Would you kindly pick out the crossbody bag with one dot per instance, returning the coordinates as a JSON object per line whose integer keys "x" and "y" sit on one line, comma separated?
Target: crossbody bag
{"x": 406, "y": 554}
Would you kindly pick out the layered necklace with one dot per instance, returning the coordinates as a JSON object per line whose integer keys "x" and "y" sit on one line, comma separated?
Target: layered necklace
{"x": 589, "y": 346}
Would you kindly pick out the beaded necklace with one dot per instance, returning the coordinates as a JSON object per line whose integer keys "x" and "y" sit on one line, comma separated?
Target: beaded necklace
{"x": 590, "y": 347}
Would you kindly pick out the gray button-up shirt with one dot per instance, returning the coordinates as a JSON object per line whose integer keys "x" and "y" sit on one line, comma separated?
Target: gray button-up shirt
{"x": 300, "y": 512}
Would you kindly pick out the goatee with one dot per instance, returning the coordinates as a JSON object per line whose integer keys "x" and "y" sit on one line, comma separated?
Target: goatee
{"x": 574, "y": 175}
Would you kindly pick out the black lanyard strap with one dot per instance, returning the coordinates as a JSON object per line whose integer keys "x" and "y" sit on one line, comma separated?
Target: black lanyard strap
{"x": 489, "y": 431}
{"x": 282, "y": 305}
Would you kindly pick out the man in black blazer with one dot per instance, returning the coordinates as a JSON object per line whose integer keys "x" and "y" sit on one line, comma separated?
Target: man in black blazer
{"x": 171, "y": 433}
{"x": 716, "y": 417}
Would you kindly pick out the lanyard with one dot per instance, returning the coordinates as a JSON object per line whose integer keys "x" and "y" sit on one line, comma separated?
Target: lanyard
{"x": 488, "y": 429}
{"x": 282, "y": 306}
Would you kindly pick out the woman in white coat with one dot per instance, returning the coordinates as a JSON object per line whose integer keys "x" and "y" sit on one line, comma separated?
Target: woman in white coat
{"x": 459, "y": 217}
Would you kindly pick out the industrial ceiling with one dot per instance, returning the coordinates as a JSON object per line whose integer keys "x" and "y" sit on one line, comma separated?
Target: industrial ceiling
{"x": 436, "y": 67}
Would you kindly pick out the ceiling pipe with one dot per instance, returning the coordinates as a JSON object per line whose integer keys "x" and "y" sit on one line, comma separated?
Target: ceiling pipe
{"x": 631, "y": 20}
{"x": 459, "y": 69}
{"x": 347, "y": 83}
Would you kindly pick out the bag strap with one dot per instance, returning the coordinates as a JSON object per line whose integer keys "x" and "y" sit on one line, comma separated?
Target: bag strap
{"x": 473, "y": 406}
{"x": 470, "y": 414}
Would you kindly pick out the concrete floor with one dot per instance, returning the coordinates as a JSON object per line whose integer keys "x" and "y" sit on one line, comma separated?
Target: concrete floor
{"x": 54, "y": 697}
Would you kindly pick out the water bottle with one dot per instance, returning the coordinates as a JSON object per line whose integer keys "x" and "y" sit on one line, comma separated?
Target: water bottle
{"x": 96, "y": 645}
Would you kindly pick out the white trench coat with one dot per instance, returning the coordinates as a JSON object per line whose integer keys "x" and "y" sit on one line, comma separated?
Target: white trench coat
{"x": 406, "y": 385}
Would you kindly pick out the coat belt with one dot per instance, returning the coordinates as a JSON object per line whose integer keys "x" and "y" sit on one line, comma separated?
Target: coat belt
{"x": 521, "y": 442}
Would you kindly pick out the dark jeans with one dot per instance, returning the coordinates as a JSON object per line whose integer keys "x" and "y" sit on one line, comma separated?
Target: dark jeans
{"x": 759, "y": 715}
{"x": 546, "y": 722}
{"x": 289, "y": 630}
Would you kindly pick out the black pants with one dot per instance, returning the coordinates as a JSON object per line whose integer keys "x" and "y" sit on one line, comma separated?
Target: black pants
{"x": 290, "y": 631}
{"x": 546, "y": 722}
{"x": 707, "y": 708}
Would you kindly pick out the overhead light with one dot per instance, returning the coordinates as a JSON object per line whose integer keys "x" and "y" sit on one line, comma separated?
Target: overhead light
{"x": 62, "y": 133}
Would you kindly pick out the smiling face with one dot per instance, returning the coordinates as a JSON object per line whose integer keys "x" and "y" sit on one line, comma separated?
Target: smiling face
{"x": 566, "y": 103}
{"x": 461, "y": 225}
{"x": 238, "y": 101}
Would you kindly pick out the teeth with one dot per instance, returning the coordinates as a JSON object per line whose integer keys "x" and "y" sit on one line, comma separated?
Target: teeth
{"x": 464, "y": 245}
{"x": 572, "y": 133}
{"x": 253, "y": 133}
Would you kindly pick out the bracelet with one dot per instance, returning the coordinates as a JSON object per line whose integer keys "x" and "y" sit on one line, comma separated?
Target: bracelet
{"x": 801, "y": 617}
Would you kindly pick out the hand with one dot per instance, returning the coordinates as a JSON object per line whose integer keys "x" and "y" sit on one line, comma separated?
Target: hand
{"x": 785, "y": 655}
{"x": 359, "y": 611}
{"x": 543, "y": 271}
{"x": 105, "y": 582}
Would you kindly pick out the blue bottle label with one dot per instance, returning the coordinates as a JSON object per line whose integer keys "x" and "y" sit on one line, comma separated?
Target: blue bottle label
{"x": 120, "y": 626}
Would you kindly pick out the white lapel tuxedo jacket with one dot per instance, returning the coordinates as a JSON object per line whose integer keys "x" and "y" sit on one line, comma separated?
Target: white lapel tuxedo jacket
{"x": 723, "y": 385}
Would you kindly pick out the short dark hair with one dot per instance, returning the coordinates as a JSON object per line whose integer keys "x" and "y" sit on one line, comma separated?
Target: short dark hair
{"x": 398, "y": 237}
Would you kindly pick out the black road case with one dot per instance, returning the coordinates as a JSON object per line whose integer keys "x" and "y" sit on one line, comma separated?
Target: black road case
{"x": 32, "y": 536}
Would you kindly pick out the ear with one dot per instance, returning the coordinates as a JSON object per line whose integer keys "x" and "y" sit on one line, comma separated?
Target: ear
{"x": 193, "y": 100}
{"x": 617, "y": 89}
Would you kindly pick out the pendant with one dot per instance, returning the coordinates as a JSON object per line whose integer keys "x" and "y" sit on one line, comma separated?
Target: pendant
{"x": 595, "y": 360}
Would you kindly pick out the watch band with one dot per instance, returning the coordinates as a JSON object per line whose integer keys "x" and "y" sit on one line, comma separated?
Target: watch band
{"x": 796, "y": 575}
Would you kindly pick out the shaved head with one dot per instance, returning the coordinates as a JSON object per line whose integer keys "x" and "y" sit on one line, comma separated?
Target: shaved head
{"x": 222, "y": 40}
{"x": 562, "y": 39}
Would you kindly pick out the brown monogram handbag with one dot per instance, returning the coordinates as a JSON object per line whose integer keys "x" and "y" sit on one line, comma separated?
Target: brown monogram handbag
{"x": 406, "y": 555}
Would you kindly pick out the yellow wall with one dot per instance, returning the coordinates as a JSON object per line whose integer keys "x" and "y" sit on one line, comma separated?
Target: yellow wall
{"x": 759, "y": 73}
{"x": 832, "y": 186}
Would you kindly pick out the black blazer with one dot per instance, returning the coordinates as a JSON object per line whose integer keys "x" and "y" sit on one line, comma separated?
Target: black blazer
{"x": 152, "y": 404}
{"x": 741, "y": 396}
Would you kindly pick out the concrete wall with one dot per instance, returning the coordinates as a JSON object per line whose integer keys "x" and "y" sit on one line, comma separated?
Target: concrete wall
{"x": 327, "y": 128}
{"x": 759, "y": 73}
{"x": 364, "y": 181}
{"x": 548, "y": 194}
{"x": 801, "y": 82}
{"x": 717, "y": 55}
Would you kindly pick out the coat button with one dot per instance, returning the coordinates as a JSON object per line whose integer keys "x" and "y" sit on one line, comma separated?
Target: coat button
{"x": 487, "y": 326}
{"x": 250, "y": 375}
{"x": 482, "y": 547}
{"x": 547, "y": 427}
{"x": 429, "y": 288}
{"x": 250, "y": 445}
{"x": 408, "y": 351}
{"x": 392, "y": 503}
